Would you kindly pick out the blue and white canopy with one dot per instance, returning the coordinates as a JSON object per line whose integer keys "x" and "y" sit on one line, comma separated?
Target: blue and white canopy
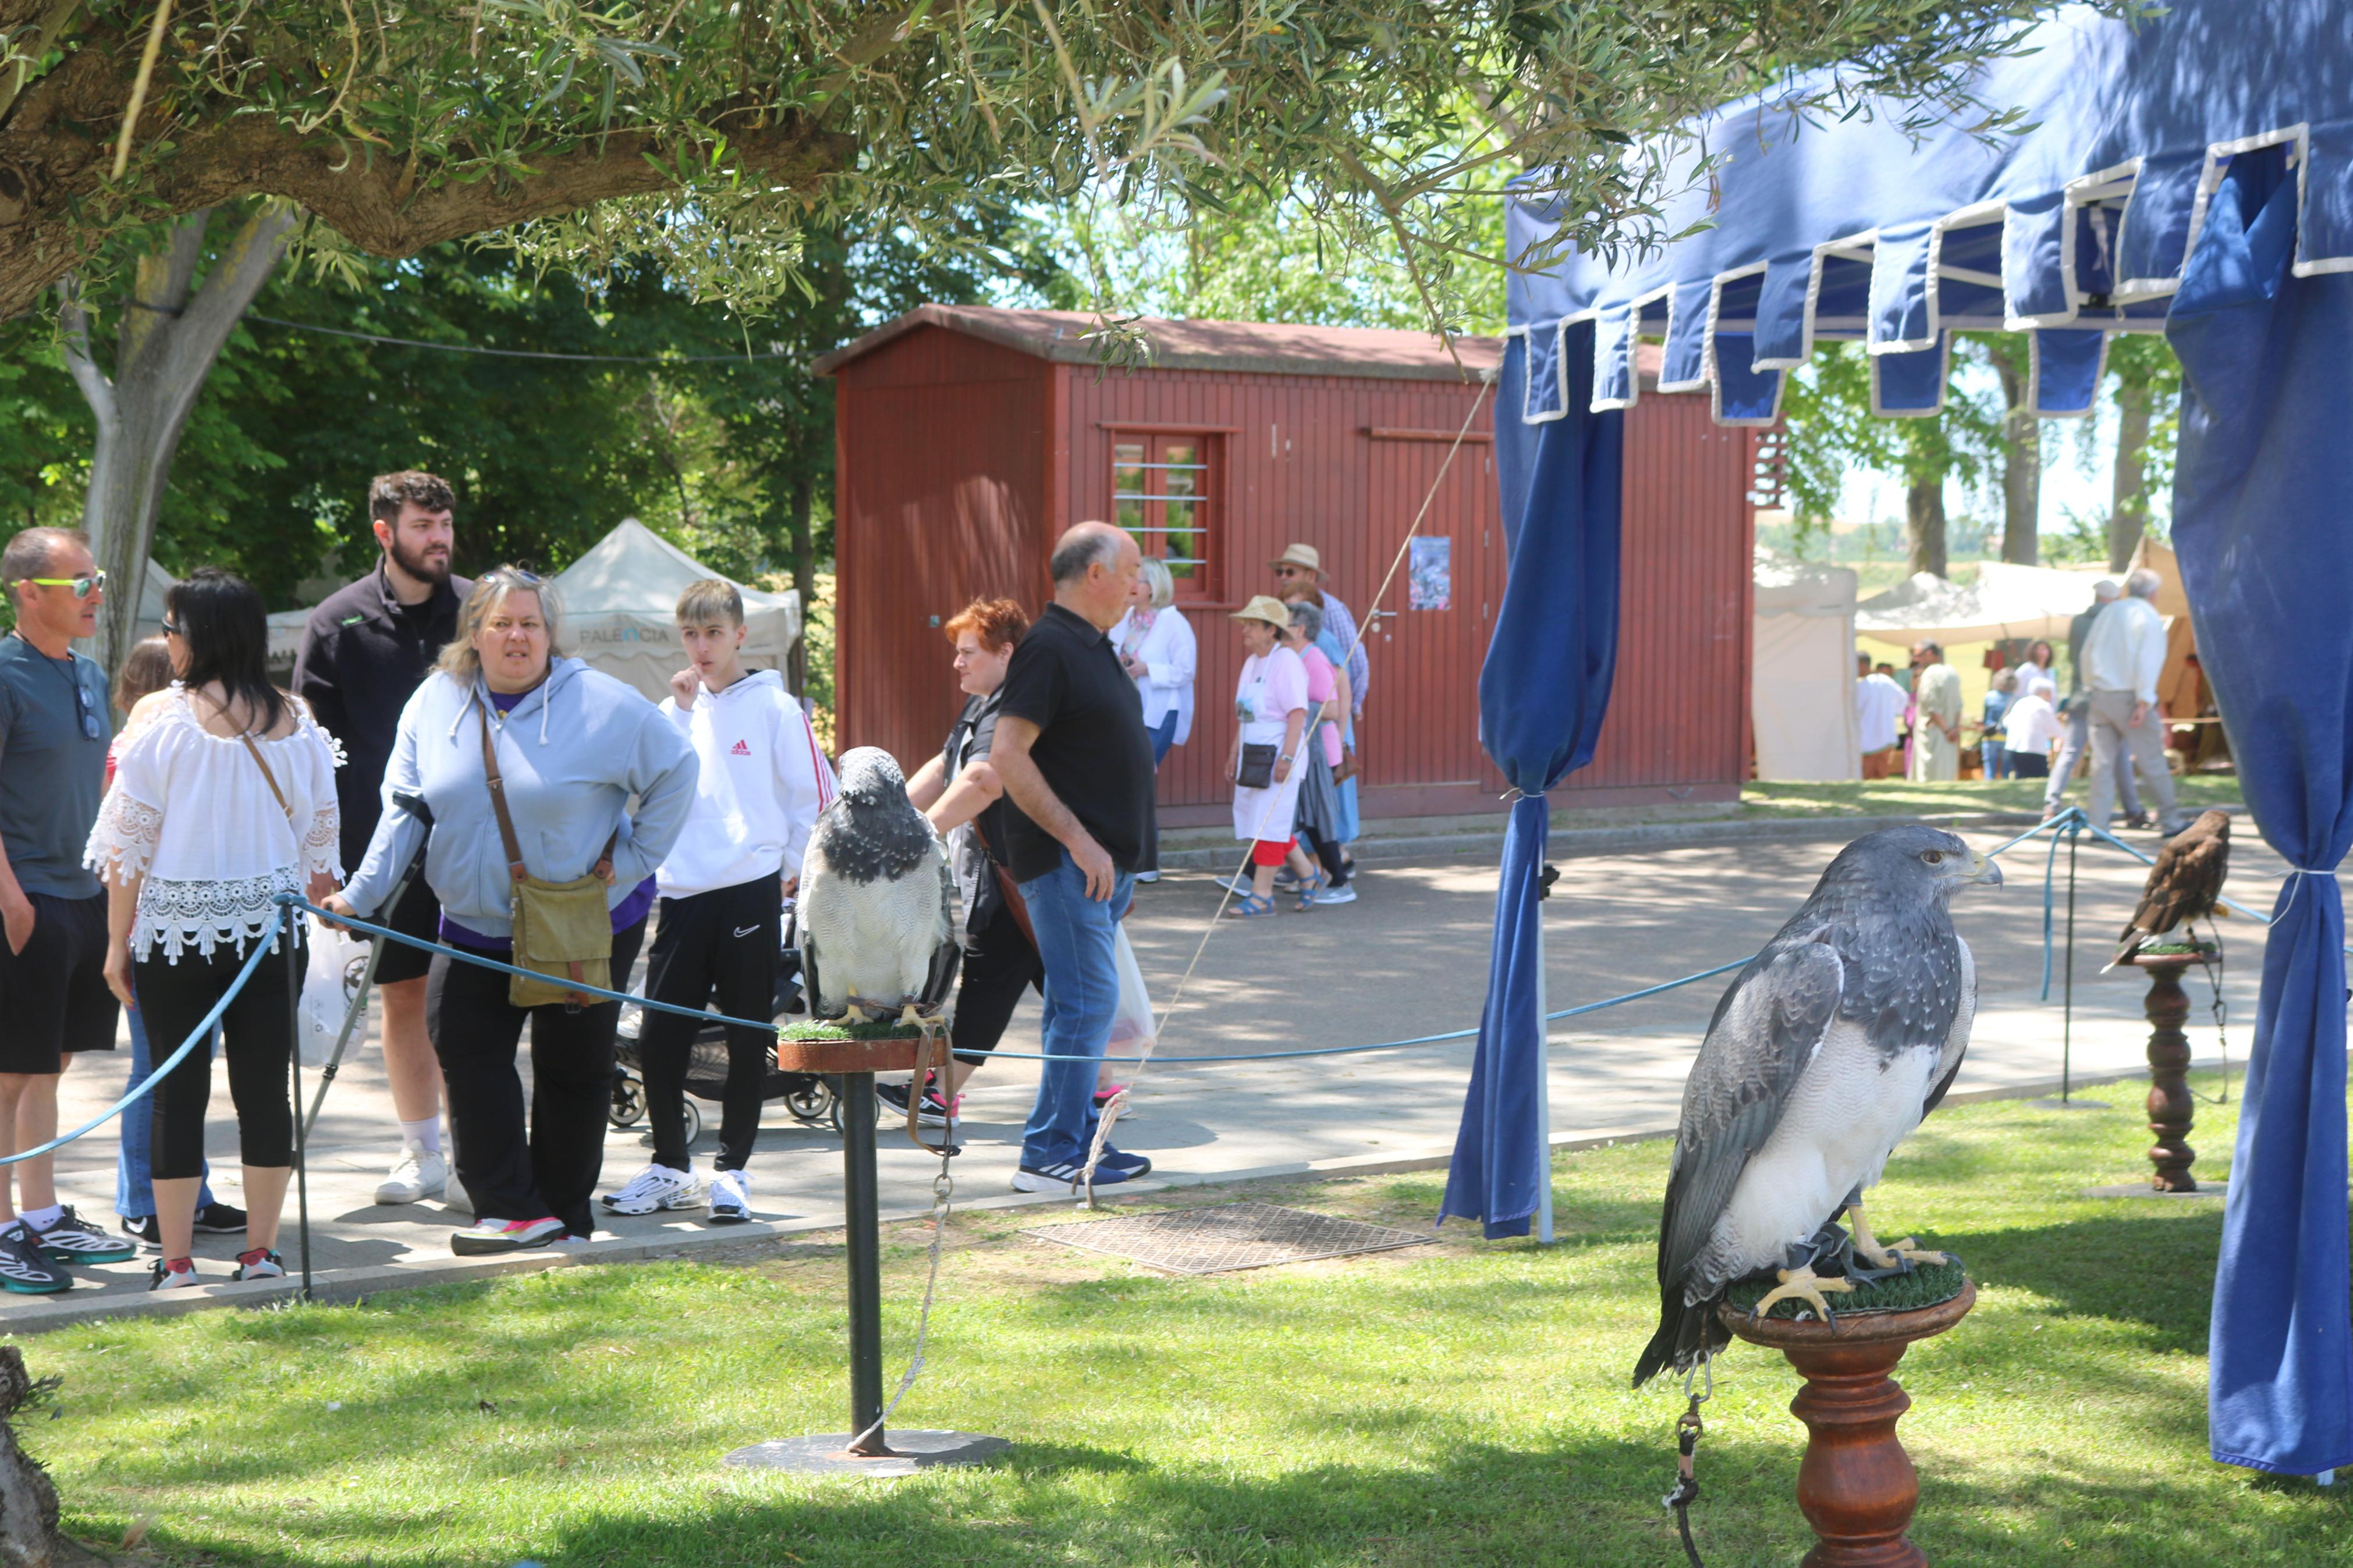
{"x": 1861, "y": 230}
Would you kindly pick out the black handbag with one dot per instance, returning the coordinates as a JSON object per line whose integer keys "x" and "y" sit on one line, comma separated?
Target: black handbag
{"x": 1257, "y": 768}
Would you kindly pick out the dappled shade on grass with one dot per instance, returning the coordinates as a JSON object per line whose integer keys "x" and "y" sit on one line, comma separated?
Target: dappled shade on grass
{"x": 1464, "y": 1403}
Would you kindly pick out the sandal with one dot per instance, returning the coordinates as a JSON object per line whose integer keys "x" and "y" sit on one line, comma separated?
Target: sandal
{"x": 1309, "y": 887}
{"x": 1250, "y": 907}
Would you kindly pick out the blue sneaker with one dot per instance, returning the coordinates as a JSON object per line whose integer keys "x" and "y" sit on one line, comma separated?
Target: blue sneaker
{"x": 1119, "y": 1166}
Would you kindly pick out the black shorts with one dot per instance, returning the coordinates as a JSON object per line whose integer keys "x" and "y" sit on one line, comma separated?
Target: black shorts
{"x": 418, "y": 914}
{"x": 53, "y": 996}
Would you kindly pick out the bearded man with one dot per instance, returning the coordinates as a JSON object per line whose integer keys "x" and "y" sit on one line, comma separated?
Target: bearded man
{"x": 365, "y": 648}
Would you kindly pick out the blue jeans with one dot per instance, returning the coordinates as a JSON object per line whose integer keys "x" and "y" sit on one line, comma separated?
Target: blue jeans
{"x": 134, "y": 1191}
{"x": 1076, "y": 937}
{"x": 1163, "y": 738}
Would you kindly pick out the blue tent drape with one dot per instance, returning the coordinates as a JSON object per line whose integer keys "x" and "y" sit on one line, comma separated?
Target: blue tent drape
{"x": 2264, "y": 467}
{"x": 1542, "y": 696}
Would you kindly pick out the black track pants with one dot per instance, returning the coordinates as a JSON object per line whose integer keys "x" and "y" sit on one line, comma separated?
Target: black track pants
{"x": 722, "y": 943}
{"x": 998, "y": 963}
{"x": 553, "y": 1168}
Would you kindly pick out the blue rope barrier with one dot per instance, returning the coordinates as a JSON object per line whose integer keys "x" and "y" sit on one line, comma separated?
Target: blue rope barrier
{"x": 2071, "y": 817}
{"x": 204, "y": 1031}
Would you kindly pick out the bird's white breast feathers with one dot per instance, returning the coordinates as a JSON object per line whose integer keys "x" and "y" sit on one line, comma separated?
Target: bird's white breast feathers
{"x": 875, "y": 940}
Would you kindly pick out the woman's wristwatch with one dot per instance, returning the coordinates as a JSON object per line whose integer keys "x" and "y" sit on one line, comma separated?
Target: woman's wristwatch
{"x": 1283, "y": 758}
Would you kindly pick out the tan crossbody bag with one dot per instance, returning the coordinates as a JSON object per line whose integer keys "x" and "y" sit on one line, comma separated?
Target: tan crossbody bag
{"x": 562, "y": 930}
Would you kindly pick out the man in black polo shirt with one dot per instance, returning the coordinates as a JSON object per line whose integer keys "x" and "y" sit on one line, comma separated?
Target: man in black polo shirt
{"x": 366, "y": 649}
{"x": 1076, "y": 762}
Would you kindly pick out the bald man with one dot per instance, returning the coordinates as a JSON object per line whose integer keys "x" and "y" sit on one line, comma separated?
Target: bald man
{"x": 1076, "y": 762}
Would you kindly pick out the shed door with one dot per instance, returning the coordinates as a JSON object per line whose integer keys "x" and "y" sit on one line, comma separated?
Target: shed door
{"x": 1421, "y": 714}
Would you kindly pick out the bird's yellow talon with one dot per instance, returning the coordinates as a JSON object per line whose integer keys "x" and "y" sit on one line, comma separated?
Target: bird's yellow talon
{"x": 1801, "y": 1285}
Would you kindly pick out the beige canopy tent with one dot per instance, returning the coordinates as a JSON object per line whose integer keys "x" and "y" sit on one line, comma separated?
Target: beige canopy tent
{"x": 2005, "y": 601}
{"x": 620, "y": 603}
{"x": 1801, "y": 674}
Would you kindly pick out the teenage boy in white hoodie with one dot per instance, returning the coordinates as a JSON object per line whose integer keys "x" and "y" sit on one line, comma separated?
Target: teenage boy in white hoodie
{"x": 761, "y": 784}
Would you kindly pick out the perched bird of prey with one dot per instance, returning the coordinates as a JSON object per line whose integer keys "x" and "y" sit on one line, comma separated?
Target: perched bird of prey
{"x": 877, "y": 911}
{"x": 1822, "y": 1056}
{"x": 2184, "y": 885}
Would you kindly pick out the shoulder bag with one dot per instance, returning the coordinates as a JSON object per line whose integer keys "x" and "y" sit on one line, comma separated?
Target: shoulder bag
{"x": 562, "y": 930}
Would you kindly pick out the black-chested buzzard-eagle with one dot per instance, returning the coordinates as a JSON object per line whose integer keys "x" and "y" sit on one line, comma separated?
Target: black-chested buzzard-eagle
{"x": 1823, "y": 1054}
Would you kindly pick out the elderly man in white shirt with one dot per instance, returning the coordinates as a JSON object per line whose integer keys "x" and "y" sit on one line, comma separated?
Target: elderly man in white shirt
{"x": 2123, "y": 657}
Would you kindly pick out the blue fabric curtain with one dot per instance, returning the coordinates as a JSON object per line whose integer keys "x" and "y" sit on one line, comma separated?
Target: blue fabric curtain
{"x": 1542, "y": 696}
{"x": 2260, "y": 490}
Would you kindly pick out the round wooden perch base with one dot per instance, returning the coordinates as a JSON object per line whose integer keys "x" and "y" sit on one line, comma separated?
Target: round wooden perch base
{"x": 1856, "y": 1485}
{"x": 836, "y": 1052}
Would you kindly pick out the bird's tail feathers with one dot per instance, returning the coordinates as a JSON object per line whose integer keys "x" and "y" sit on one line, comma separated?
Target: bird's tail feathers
{"x": 1686, "y": 1332}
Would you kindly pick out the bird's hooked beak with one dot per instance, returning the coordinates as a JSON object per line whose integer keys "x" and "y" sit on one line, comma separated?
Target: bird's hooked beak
{"x": 1984, "y": 870}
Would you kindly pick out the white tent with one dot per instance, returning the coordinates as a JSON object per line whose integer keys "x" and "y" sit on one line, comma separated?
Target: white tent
{"x": 1801, "y": 677}
{"x": 2005, "y": 601}
{"x": 620, "y": 603}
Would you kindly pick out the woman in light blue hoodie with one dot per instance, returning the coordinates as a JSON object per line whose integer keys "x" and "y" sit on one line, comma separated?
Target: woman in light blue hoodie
{"x": 573, "y": 746}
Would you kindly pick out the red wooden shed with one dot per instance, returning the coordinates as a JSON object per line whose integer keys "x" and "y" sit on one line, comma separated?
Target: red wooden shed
{"x": 968, "y": 438}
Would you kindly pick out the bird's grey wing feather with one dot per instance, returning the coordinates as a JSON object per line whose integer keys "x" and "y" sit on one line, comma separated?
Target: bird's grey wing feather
{"x": 1957, "y": 1041}
{"x": 1764, "y": 1031}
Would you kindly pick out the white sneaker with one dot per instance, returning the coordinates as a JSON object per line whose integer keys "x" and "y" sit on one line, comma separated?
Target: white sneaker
{"x": 421, "y": 1173}
{"x": 1346, "y": 894}
{"x": 656, "y": 1187}
{"x": 731, "y": 1198}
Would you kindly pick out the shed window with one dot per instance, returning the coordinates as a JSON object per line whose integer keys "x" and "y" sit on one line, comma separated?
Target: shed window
{"x": 1161, "y": 494}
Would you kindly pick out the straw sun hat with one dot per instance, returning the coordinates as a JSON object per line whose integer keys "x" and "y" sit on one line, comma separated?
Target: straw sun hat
{"x": 1264, "y": 607}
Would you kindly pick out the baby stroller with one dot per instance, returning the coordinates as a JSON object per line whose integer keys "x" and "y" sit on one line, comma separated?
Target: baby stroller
{"x": 808, "y": 1099}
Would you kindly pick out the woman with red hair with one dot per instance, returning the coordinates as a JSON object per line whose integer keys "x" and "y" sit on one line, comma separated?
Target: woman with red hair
{"x": 959, "y": 791}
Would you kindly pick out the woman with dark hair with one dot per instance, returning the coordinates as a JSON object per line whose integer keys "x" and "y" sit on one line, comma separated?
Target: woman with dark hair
{"x": 224, "y": 797}
{"x": 592, "y": 782}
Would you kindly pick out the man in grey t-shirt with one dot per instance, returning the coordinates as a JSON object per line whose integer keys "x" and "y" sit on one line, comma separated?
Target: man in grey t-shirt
{"x": 54, "y": 1000}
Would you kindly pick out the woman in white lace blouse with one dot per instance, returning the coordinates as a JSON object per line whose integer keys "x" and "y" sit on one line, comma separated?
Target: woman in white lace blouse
{"x": 224, "y": 796}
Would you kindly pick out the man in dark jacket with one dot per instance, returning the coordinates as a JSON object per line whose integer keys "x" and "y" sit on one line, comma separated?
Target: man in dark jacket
{"x": 366, "y": 648}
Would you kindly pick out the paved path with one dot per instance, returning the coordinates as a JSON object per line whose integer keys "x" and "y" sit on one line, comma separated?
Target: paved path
{"x": 1408, "y": 958}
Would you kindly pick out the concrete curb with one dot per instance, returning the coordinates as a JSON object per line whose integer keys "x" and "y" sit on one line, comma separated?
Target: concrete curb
{"x": 353, "y": 1285}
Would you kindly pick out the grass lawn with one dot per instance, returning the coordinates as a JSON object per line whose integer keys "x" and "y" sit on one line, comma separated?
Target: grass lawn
{"x": 1896, "y": 798}
{"x": 1464, "y": 1403}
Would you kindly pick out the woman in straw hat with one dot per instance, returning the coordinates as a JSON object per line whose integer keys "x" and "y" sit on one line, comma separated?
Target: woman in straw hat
{"x": 1270, "y": 705}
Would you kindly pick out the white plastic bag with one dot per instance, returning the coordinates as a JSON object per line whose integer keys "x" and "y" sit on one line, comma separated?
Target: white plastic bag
{"x": 1131, "y": 1026}
{"x": 338, "y": 962}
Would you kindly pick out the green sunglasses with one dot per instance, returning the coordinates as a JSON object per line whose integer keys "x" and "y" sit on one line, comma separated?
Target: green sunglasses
{"x": 83, "y": 587}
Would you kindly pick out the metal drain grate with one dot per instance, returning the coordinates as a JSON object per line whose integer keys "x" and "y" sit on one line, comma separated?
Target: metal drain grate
{"x": 1230, "y": 1237}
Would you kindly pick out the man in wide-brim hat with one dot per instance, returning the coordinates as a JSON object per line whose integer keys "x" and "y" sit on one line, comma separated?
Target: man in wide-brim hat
{"x": 1302, "y": 566}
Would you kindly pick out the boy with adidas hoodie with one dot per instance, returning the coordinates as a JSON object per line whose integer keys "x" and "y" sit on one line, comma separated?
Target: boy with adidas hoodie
{"x": 719, "y": 926}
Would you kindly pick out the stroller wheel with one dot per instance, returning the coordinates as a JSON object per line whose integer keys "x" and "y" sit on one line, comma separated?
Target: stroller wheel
{"x": 628, "y": 1099}
{"x": 693, "y": 1121}
{"x": 833, "y": 1111}
{"x": 810, "y": 1105}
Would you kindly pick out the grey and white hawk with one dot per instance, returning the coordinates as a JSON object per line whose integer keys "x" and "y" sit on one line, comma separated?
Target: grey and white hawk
{"x": 877, "y": 911}
{"x": 1822, "y": 1056}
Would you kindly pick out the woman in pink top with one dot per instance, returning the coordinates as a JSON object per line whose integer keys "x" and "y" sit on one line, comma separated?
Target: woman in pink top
{"x": 1318, "y": 817}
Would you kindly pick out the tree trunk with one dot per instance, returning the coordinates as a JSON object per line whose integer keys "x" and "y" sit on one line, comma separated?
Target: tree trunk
{"x": 2021, "y": 467}
{"x": 1924, "y": 524}
{"x": 800, "y": 522}
{"x": 2128, "y": 493}
{"x": 28, "y": 1500}
{"x": 171, "y": 334}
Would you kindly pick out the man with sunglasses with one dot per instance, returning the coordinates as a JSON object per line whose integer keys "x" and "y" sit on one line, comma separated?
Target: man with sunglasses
{"x": 54, "y": 1001}
{"x": 366, "y": 649}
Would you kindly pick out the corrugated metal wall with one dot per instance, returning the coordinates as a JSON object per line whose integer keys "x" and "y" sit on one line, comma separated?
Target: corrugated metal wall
{"x": 960, "y": 460}
{"x": 940, "y": 497}
{"x": 1678, "y": 708}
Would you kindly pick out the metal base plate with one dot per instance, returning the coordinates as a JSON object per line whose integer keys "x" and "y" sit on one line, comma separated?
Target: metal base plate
{"x": 825, "y": 1455}
{"x": 2068, "y": 1104}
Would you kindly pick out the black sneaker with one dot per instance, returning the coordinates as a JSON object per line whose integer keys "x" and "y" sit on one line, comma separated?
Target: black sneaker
{"x": 219, "y": 1219}
{"x": 934, "y": 1111}
{"x": 70, "y": 1241}
{"x": 143, "y": 1228}
{"x": 26, "y": 1268}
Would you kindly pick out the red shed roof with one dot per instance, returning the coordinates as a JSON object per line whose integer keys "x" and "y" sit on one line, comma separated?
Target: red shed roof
{"x": 1268, "y": 349}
